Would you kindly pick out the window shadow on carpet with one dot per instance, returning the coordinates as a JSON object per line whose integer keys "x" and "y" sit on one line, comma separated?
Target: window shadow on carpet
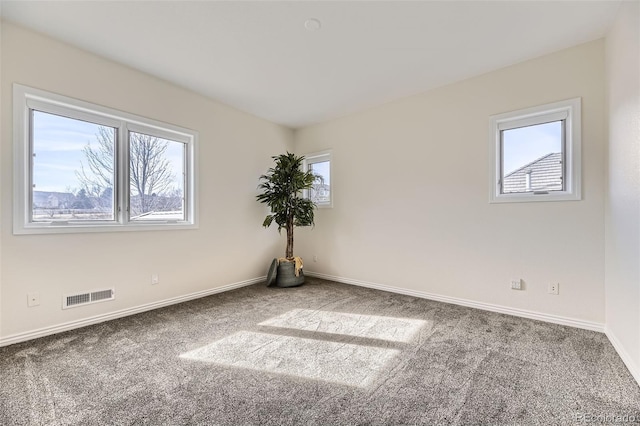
{"x": 333, "y": 360}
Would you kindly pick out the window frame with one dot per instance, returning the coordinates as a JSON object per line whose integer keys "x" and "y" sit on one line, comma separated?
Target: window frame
{"x": 320, "y": 157}
{"x": 26, "y": 99}
{"x": 568, "y": 111}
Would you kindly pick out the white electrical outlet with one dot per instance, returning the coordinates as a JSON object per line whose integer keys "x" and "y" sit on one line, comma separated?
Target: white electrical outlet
{"x": 516, "y": 284}
{"x": 33, "y": 299}
{"x": 154, "y": 279}
{"x": 554, "y": 288}
{"x": 315, "y": 258}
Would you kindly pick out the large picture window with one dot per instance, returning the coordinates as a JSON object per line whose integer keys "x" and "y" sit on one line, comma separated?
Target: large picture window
{"x": 536, "y": 153}
{"x": 83, "y": 168}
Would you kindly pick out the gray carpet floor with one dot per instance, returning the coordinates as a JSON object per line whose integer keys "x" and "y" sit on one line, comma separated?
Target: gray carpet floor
{"x": 321, "y": 354}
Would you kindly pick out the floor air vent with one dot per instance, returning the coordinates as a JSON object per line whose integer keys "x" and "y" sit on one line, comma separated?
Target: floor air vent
{"x": 80, "y": 299}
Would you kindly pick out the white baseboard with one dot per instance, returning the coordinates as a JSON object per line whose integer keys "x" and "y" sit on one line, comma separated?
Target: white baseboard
{"x": 634, "y": 368}
{"x": 571, "y": 322}
{"x": 46, "y": 331}
{"x": 555, "y": 319}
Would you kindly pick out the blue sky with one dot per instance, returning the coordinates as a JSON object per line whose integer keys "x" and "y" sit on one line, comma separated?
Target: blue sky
{"x": 58, "y": 143}
{"x": 526, "y": 144}
{"x": 323, "y": 170}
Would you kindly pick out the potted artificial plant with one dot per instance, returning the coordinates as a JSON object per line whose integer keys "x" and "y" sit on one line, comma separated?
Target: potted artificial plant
{"x": 282, "y": 188}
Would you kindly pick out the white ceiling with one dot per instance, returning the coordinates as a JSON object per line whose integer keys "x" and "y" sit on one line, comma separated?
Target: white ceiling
{"x": 258, "y": 56}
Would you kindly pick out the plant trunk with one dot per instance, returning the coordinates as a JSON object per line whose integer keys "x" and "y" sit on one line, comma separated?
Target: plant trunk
{"x": 289, "y": 252}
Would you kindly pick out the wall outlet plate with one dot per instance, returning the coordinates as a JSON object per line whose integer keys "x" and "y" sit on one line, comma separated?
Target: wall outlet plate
{"x": 516, "y": 284}
{"x": 554, "y": 288}
{"x": 33, "y": 299}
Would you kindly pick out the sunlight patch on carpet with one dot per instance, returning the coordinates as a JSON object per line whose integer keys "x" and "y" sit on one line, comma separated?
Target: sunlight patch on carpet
{"x": 369, "y": 326}
{"x": 343, "y": 363}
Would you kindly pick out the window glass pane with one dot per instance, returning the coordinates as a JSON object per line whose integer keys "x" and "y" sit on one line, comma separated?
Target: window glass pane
{"x": 532, "y": 158}
{"x": 320, "y": 193}
{"x": 72, "y": 171}
{"x": 156, "y": 178}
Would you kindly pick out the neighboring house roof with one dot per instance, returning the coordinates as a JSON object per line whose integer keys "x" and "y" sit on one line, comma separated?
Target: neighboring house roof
{"x": 543, "y": 174}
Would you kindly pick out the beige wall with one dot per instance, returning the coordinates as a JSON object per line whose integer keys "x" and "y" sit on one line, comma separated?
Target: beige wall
{"x": 411, "y": 186}
{"x": 623, "y": 190}
{"x": 235, "y": 149}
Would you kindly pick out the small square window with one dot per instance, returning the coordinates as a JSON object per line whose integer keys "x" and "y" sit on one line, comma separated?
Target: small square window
{"x": 532, "y": 158}
{"x": 537, "y": 154}
{"x": 320, "y": 165}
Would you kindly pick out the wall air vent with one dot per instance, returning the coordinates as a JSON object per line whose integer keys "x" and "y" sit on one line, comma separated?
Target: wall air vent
{"x": 81, "y": 299}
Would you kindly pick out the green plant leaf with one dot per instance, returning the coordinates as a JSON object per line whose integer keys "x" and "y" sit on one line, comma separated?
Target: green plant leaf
{"x": 282, "y": 188}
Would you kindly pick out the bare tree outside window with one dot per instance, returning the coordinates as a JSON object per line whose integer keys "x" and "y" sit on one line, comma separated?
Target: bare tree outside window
{"x": 97, "y": 181}
{"x": 151, "y": 175}
{"x": 90, "y": 168}
{"x": 154, "y": 184}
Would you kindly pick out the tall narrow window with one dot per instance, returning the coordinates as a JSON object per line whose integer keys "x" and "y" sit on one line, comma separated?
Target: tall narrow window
{"x": 537, "y": 153}
{"x": 320, "y": 165}
{"x": 81, "y": 167}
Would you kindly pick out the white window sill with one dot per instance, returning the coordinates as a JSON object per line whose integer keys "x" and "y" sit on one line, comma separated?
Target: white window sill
{"x": 533, "y": 198}
{"x": 35, "y": 229}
